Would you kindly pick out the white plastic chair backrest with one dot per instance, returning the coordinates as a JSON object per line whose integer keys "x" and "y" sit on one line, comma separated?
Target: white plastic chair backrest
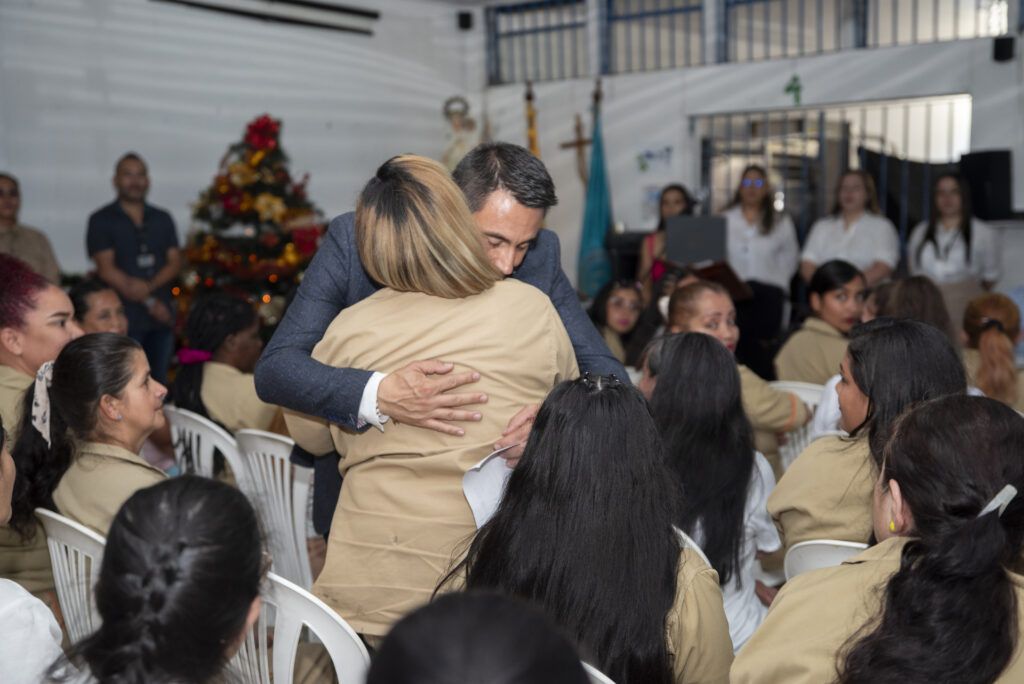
{"x": 76, "y": 553}
{"x": 279, "y": 490}
{"x": 293, "y": 607}
{"x": 596, "y": 676}
{"x": 196, "y": 438}
{"x": 818, "y": 553}
{"x": 685, "y": 541}
{"x": 798, "y": 439}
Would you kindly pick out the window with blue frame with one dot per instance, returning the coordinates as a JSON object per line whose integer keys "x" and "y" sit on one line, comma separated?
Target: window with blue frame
{"x": 648, "y": 35}
{"x": 544, "y": 40}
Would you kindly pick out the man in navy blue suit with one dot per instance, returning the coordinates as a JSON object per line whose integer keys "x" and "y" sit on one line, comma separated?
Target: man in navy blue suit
{"x": 509, "y": 192}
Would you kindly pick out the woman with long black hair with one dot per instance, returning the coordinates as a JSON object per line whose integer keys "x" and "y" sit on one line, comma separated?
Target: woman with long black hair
{"x": 723, "y": 484}
{"x": 954, "y": 248}
{"x": 585, "y": 530}
{"x": 940, "y": 598}
{"x": 890, "y": 365}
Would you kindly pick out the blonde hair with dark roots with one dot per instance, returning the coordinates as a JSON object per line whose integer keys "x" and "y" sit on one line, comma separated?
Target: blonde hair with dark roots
{"x": 415, "y": 232}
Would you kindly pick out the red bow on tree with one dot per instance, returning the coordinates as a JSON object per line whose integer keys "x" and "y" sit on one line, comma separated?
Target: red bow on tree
{"x": 262, "y": 133}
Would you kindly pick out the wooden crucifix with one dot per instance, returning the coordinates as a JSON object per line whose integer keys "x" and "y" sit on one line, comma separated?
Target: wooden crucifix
{"x": 579, "y": 142}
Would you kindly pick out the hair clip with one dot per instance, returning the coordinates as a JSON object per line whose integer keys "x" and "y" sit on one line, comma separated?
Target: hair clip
{"x": 988, "y": 323}
{"x": 1000, "y": 501}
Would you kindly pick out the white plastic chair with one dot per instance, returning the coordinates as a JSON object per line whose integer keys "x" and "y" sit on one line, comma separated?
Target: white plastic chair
{"x": 76, "y": 553}
{"x": 596, "y": 676}
{"x": 798, "y": 439}
{"x": 819, "y": 553}
{"x": 279, "y": 490}
{"x": 196, "y": 438}
{"x": 293, "y": 607}
{"x": 685, "y": 541}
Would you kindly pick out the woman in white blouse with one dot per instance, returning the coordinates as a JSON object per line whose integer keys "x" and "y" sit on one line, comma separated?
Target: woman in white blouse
{"x": 854, "y": 232}
{"x": 957, "y": 251}
{"x": 762, "y": 248}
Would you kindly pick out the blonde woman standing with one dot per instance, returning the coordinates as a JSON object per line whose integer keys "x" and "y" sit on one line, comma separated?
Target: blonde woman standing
{"x": 402, "y": 511}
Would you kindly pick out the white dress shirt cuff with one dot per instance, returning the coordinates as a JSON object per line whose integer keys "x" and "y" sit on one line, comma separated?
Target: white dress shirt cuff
{"x": 369, "y": 414}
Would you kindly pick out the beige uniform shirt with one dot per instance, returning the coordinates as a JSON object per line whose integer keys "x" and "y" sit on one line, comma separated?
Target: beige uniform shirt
{"x": 13, "y": 384}
{"x": 811, "y": 354}
{"x": 32, "y": 247}
{"x": 99, "y": 481}
{"x": 815, "y": 614}
{"x": 402, "y": 512}
{"x": 698, "y": 631}
{"x": 770, "y": 412}
{"x": 972, "y": 360}
{"x": 27, "y": 563}
{"x": 230, "y": 398}
{"x": 826, "y": 493}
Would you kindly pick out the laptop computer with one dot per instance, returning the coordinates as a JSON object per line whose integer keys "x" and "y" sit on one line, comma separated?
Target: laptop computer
{"x": 695, "y": 240}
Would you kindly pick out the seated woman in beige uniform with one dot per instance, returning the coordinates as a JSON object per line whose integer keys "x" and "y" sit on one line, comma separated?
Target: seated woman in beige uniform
{"x": 890, "y": 365}
{"x": 991, "y": 329}
{"x": 941, "y": 597}
{"x": 585, "y": 531}
{"x": 402, "y": 511}
{"x": 706, "y": 307}
{"x": 83, "y": 424}
{"x": 813, "y": 353}
{"x": 215, "y": 379}
{"x": 36, "y": 321}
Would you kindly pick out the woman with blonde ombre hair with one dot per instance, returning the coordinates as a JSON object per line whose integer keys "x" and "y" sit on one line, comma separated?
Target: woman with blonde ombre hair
{"x": 991, "y": 329}
{"x": 402, "y": 512}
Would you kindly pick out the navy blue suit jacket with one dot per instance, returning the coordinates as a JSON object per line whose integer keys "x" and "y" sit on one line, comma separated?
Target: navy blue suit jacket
{"x": 286, "y": 374}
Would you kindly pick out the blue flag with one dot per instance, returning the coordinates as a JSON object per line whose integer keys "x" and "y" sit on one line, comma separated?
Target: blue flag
{"x": 594, "y": 268}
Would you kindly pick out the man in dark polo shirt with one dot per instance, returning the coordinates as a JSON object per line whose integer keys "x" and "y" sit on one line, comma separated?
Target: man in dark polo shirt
{"x": 135, "y": 247}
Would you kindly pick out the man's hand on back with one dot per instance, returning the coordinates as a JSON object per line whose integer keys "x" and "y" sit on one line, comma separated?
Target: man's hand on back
{"x": 411, "y": 396}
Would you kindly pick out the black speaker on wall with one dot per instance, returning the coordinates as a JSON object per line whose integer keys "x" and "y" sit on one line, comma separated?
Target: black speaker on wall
{"x": 990, "y": 179}
{"x": 1002, "y": 48}
{"x": 465, "y": 21}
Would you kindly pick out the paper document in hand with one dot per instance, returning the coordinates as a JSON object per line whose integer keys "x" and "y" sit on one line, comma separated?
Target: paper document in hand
{"x": 484, "y": 484}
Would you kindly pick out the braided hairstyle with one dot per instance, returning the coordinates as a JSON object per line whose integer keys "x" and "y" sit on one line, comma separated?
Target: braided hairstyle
{"x": 183, "y": 564}
{"x": 210, "y": 322}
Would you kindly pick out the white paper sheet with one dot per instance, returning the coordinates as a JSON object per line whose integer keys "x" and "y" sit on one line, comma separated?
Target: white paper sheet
{"x": 484, "y": 484}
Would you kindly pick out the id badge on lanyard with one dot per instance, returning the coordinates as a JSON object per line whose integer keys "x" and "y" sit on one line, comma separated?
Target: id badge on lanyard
{"x": 146, "y": 260}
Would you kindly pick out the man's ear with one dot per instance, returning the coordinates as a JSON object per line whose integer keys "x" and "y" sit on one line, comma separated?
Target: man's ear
{"x": 12, "y": 340}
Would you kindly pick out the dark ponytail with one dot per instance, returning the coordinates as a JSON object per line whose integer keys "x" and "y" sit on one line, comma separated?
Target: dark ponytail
{"x": 211, "y": 321}
{"x": 950, "y": 613}
{"x": 85, "y": 370}
{"x": 183, "y": 563}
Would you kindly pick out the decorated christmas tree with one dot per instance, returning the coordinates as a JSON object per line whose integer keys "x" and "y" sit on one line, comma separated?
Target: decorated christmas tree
{"x": 254, "y": 230}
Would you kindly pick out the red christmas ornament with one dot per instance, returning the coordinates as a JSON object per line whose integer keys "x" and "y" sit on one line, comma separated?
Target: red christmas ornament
{"x": 262, "y": 133}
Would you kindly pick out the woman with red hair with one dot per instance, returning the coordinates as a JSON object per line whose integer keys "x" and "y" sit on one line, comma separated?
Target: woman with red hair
{"x": 36, "y": 321}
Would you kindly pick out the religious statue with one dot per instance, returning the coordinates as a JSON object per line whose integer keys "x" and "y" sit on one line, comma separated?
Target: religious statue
{"x": 463, "y": 135}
